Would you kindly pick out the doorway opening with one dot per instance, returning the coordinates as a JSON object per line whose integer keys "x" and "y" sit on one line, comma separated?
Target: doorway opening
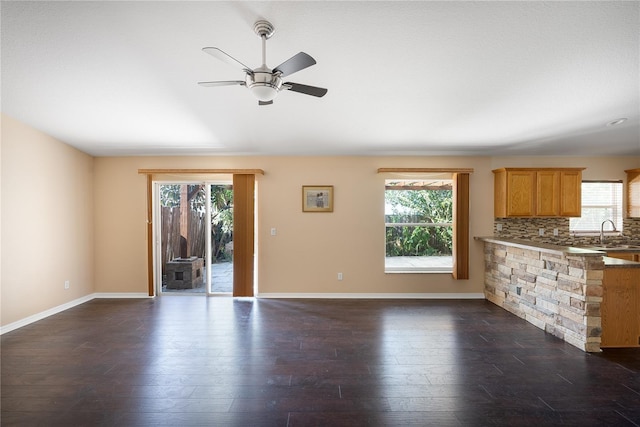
{"x": 194, "y": 238}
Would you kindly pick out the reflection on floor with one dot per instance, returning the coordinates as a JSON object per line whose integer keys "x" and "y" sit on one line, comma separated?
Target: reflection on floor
{"x": 221, "y": 280}
{"x": 222, "y": 272}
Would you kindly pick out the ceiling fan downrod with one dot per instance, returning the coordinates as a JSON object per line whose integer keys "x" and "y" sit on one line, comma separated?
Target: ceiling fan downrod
{"x": 264, "y": 29}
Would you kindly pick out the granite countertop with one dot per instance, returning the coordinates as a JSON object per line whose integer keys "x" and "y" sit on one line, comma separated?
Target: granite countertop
{"x": 609, "y": 262}
{"x": 544, "y": 247}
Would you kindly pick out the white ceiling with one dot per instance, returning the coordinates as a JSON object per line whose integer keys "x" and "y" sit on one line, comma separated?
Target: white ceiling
{"x": 404, "y": 78}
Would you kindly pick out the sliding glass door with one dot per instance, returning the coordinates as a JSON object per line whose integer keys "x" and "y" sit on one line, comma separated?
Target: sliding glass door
{"x": 193, "y": 238}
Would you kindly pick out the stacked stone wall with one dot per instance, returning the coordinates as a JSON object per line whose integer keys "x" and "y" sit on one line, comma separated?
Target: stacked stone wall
{"x": 557, "y": 292}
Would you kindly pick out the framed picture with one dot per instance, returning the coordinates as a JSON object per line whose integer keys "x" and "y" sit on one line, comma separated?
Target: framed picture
{"x": 317, "y": 198}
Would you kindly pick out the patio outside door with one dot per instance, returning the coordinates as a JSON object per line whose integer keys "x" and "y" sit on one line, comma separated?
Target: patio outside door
{"x": 194, "y": 238}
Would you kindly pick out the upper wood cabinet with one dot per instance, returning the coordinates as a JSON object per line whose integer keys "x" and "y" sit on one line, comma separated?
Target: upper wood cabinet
{"x": 547, "y": 190}
{"x": 633, "y": 193}
{"x": 537, "y": 192}
{"x": 514, "y": 192}
{"x": 571, "y": 192}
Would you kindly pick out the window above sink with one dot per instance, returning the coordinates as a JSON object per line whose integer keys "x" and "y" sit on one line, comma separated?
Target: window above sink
{"x": 601, "y": 201}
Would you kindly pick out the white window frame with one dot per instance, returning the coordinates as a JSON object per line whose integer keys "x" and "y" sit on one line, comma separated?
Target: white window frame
{"x": 434, "y": 266}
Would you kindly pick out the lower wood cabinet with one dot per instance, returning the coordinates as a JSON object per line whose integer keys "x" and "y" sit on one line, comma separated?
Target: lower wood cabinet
{"x": 620, "y": 308}
{"x": 629, "y": 256}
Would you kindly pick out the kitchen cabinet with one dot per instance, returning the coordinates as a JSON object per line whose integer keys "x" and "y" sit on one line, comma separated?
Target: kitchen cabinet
{"x": 546, "y": 191}
{"x": 620, "y": 307}
{"x": 537, "y": 192}
{"x": 571, "y": 193}
{"x": 633, "y": 193}
{"x": 513, "y": 192}
{"x": 629, "y": 256}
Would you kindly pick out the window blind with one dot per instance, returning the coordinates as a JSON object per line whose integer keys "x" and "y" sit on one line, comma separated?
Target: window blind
{"x": 601, "y": 200}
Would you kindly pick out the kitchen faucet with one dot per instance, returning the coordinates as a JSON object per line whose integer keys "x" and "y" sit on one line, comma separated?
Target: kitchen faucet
{"x": 602, "y": 229}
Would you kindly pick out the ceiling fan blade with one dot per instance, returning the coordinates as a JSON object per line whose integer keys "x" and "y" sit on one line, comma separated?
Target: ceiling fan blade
{"x": 225, "y": 57}
{"x": 294, "y": 64}
{"x": 307, "y": 90}
{"x": 223, "y": 83}
{"x": 265, "y": 102}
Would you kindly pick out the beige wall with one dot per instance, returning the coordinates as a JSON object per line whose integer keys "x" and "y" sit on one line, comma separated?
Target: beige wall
{"x": 47, "y": 222}
{"x": 309, "y": 248}
{"x": 94, "y": 230}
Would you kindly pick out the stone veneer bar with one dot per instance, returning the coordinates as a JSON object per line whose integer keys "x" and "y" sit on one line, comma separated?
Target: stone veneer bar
{"x": 556, "y": 288}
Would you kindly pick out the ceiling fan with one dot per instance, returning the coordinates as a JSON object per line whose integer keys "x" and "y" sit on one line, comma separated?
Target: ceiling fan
{"x": 264, "y": 82}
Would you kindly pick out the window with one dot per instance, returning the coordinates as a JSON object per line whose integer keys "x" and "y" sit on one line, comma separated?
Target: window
{"x": 419, "y": 225}
{"x": 459, "y": 248}
{"x": 601, "y": 201}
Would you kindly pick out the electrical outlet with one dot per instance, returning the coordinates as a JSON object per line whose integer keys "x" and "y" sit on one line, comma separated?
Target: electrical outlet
{"x": 555, "y": 231}
{"x": 273, "y": 231}
{"x": 339, "y": 276}
{"x": 499, "y": 227}
{"x": 67, "y": 284}
{"x": 541, "y": 231}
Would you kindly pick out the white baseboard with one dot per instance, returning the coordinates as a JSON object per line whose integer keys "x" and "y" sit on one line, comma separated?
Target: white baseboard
{"x": 478, "y": 295}
{"x": 39, "y": 316}
{"x": 121, "y": 295}
{"x": 58, "y": 309}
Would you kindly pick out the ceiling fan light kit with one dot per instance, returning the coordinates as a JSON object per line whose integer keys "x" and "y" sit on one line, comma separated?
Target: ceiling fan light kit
{"x": 264, "y": 85}
{"x": 263, "y": 82}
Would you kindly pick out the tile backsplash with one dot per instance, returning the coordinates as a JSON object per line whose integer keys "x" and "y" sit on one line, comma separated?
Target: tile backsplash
{"x": 529, "y": 229}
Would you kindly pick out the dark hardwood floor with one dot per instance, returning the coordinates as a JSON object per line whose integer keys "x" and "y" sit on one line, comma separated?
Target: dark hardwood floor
{"x": 185, "y": 361}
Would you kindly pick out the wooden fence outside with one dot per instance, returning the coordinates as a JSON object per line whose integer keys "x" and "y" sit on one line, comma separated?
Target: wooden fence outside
{"x": 171, "y": 240}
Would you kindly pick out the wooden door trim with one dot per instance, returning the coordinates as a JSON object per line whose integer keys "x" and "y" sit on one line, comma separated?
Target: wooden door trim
{"x": 200, "y": 171}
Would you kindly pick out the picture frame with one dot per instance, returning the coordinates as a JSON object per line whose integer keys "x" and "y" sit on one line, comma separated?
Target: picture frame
{"x": 317, "y": 198}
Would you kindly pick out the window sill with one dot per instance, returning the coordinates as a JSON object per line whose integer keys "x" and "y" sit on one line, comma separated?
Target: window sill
{"x": 417, "y": 271}
{"x": 419, "y": 264}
